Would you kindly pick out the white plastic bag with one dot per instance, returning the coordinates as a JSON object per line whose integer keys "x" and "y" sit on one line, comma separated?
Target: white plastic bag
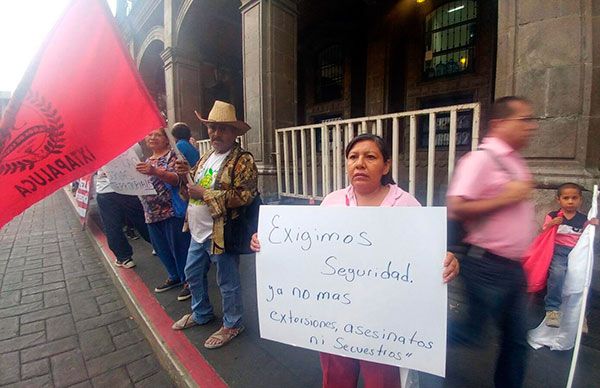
{"x": 409, "y": 378}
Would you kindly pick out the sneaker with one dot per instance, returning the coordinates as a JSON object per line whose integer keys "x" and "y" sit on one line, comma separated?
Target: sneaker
{"x": 126, "y": 263}
{"x": 154, "y": 253}
{"x": 167, "y": 285}
{"x": 185, "y": 293}
{"x": 553, "y": 318}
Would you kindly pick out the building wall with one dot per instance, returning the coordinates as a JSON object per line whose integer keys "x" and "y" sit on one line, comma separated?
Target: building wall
{"x": 549, "y": 52}
{"x": 383, "y": 45}
{"x": 479, "y": 83}
{"x": 189, "y": 55}
{"x": 320, "y": 25}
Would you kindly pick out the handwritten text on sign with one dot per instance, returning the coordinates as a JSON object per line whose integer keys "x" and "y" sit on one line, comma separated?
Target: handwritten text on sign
{"x": 361, "y": 282}
{"x": 125, "y": 179}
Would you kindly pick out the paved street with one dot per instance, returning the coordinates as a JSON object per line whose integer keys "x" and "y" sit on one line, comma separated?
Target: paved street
{"x": 62, "y": 322}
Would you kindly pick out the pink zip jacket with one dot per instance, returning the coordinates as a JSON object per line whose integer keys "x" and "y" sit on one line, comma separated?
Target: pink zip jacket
{"x": 346, "y": 197}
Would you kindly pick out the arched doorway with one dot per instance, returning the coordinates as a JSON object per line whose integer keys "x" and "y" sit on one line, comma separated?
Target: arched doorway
{"x": 151, "y": 68}
{"x": 210, "y": 36}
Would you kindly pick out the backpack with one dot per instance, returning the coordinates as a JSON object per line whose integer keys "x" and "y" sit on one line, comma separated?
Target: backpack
{"x": 238, "y": 231}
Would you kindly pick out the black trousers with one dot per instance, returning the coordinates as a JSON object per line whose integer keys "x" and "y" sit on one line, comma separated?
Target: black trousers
{"x": 114, "y": 208}
{"x": 496, "y": 288}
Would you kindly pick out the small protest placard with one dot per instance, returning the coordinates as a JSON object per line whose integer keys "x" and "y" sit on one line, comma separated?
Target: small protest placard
{"x": 361, "y": 282}
{"x": 83, "y": 196}
{"x": 125, "y": 179}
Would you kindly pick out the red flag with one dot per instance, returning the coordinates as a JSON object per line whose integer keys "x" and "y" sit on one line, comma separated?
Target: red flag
{"x": 80, "y": 104}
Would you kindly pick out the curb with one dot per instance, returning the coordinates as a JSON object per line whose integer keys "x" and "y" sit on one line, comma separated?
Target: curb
{"x": 182, "y": 360}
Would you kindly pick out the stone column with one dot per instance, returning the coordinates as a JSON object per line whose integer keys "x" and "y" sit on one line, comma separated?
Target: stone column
{"x": 182, "y": 75}
{"x": 183, "y": 86}
{"x": 546, "y": 52}
{"x": 269, "y": 29}
{"x": 549, "y": 52}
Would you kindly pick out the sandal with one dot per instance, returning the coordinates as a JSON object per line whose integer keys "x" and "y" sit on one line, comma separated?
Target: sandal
{"x": 222, "y": 337}
{"x": 186, "y": 322}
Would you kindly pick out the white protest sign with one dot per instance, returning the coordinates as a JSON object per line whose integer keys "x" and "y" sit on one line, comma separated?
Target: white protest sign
{"x": 125, "y": 179}
{"x": 361, "y": 282}
{"x": 82, "y": 196}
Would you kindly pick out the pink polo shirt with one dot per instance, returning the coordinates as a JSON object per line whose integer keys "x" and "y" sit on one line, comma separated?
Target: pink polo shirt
{"x": 507, "y": 231}
{"x": 346, "y": 197}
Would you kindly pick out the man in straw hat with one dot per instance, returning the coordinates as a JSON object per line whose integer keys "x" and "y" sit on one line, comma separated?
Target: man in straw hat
{"x": 213, "y": 195}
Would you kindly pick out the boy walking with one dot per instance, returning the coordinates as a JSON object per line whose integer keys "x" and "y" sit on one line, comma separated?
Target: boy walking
{"x": 571, "y": 224}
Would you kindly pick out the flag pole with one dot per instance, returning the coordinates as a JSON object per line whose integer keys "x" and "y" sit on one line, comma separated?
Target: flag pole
{"x": 586, "y": 290}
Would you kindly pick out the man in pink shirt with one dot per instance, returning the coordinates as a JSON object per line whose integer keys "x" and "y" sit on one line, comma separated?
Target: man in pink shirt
{"x": 490, "y": 195}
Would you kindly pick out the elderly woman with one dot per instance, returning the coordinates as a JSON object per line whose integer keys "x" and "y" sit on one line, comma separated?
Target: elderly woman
{"x": 165, "y": 212}
{"x": 368, "y": 161}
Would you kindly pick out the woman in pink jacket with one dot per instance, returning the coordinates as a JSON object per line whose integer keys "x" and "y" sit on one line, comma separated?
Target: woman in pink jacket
{"x": 369, "y": 163}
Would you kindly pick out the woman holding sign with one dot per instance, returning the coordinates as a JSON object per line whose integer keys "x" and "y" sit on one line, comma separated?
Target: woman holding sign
{"x": 368, "y": 163}
{"x": 165, "y": 212}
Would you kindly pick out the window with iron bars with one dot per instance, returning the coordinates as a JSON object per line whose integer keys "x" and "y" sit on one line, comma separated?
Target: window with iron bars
{"x": 330, "y": 74}
{"x": 464, "y": 121}
{"x": 450, "y": 39}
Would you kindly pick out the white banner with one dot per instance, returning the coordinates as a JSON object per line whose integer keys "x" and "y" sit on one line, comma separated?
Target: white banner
{"x": 124, "y": 178}
{"x": 361, "y": 282}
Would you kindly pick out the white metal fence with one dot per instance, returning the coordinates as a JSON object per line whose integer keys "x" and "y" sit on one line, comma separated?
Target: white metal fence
{"x": 204, "y": 145}
{"x": 310, "y": 158}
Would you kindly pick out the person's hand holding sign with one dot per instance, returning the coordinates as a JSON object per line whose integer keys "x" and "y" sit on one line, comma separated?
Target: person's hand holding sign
{"x": 451, "y": 267}
{"x": 146, "y": 168}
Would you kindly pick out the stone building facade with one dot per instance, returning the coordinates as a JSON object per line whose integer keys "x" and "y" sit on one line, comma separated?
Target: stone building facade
{"x": 291, "y": 62}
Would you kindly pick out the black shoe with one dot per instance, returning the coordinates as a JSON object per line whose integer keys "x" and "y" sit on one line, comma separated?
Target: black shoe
{"x": 130, "y": 233}
{"x": 185, "y": 293}
{"x": 167, "y": 285}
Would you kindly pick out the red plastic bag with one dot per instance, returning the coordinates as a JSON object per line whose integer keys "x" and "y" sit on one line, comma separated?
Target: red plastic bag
{"x": 537, "y": 259}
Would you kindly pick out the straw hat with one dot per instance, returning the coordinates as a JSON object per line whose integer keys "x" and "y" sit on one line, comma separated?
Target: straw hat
{"x": 224, "y": 113}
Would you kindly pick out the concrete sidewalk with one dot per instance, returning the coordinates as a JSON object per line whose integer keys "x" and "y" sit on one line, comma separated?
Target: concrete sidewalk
{"x": 62, "y": 321}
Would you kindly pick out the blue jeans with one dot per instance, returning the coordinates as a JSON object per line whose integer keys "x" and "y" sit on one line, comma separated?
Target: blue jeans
{"x": 228, "y": 279}
{"x": 495, "y": 287}
{"x": 556, "y": 277}
{"x": 171, "y": 245}
{"x": 114, "y": 209}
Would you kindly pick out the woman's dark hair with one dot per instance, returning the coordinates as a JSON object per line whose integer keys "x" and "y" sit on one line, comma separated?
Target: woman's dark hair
{"x": 383, "y": 148}
{"x": 181, "y": 131}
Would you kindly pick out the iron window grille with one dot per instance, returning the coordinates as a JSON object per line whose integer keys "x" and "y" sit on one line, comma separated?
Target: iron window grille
{"x": 330, "y": 73}
{"x": 450, "y": 39}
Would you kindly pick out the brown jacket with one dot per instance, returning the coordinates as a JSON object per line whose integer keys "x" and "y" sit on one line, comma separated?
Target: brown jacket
{"x": 227, "y": 194}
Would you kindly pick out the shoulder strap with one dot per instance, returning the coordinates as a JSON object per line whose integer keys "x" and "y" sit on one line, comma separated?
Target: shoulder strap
{"x": 498, "y": 162}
